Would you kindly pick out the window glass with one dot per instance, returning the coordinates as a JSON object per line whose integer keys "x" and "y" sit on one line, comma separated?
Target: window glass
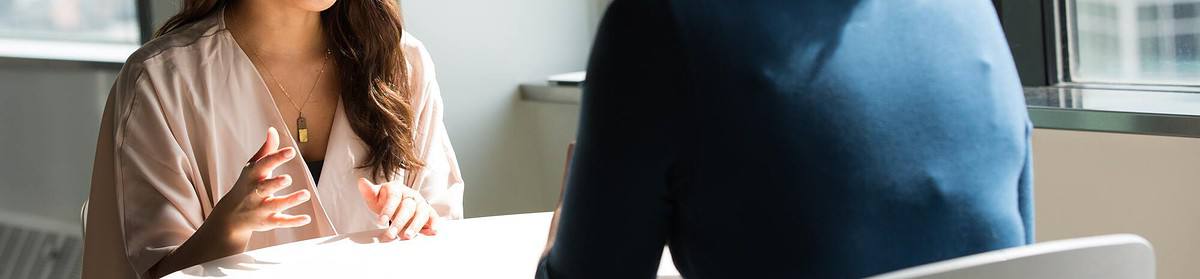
{"x": 1134, "y": 41}
{"x": 91, "y": 21}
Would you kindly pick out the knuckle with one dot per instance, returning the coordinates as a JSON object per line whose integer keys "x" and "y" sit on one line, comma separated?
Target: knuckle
{"x": 295, "y": 200}
{"x": 267, "y": 161}
{"x": 271, "y": 205}
{"x": 280, "y": 180}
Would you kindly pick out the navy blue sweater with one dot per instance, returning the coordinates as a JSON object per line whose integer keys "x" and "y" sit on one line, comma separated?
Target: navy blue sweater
{"x": 795, "y": 139}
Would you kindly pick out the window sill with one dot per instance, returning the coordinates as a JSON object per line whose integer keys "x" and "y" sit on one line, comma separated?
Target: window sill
{"x": 1062, "y": 108}
{"x": 554, "y": 94}
{"x": 1129, "y": 111}
{"x": 56, "y": 53}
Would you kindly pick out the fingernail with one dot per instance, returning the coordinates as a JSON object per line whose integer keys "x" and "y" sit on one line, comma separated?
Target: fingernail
{"x": 393, "y": 231}
{"x": 383, "y": 218}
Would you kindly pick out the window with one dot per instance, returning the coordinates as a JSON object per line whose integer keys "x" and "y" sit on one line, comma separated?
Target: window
{"x": 1139, "y": 42}
{"x": 84, "y": 30}
{"x": 1120, "y": 66}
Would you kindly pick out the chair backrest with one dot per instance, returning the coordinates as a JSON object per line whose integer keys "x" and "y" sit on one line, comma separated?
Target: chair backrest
{"x": 1121, "y": 256}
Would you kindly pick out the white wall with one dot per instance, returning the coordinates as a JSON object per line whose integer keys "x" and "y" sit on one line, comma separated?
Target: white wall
{"x": 483, "y": 50}
{"x": 1097, "y": 183}
{"x": 49, "y": 118}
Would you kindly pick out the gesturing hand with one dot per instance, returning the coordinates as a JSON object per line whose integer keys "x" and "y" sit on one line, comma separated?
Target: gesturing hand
{"x": 404, "y": 207}
{"x": 248, "y": 207}
{"x": 251, "y": 206}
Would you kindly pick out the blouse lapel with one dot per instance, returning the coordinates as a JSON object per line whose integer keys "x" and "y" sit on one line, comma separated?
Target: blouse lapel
{"x": 339, "y": 178}
{"x": 257, "y": 88}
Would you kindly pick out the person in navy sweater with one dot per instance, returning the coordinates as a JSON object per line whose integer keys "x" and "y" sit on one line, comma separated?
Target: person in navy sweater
{"x": 794, "y": 139}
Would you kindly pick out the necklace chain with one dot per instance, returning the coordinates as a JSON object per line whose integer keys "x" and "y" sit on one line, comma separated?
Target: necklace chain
{"x": 301, "y": 123}
{"x": 299, "y": 108}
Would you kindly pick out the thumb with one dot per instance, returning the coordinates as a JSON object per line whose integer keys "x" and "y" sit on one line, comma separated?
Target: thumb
{"x": 369, "y": 193}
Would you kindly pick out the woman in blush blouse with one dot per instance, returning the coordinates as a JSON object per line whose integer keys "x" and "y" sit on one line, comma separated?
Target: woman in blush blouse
{"x": 252, "y": 123}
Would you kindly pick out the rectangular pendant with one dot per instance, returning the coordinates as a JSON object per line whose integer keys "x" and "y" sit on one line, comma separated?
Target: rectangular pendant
{"x": 302, "y": 129}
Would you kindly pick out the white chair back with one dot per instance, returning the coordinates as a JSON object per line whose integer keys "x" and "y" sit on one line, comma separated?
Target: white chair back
{"x": 1122, "y": 256}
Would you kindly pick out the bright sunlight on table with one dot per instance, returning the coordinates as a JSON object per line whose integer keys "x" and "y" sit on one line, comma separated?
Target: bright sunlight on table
{"x": 491, "y": 247}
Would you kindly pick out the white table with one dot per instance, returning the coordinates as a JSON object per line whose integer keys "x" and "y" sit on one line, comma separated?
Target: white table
{"x": 491, "y": 247}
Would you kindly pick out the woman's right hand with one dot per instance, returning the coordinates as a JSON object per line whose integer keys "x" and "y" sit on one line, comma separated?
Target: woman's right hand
{"x": 248, "y": 207}
{"x": 251, "y": 206}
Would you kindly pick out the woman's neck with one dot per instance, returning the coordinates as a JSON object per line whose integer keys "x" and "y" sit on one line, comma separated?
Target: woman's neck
{"x": 276, "y": 29}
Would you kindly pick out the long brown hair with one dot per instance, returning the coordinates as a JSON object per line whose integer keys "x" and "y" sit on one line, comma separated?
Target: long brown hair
{"x": 364, "y": 36}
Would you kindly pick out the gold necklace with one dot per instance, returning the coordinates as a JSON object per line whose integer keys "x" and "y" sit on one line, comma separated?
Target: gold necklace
{"x": 301, "y": 123}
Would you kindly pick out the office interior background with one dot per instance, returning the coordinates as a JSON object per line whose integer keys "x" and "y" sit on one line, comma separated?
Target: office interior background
{"x": 512, "y": 148}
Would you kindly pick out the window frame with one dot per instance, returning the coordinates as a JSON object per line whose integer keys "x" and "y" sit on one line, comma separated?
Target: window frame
{"x": 1032, "y": 28}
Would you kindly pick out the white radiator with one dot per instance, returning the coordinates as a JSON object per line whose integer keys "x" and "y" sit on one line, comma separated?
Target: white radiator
{"x": 38, "y": 248}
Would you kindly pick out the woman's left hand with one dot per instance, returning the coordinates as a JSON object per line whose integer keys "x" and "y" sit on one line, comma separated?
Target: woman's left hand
{"x": 404, "y": 207}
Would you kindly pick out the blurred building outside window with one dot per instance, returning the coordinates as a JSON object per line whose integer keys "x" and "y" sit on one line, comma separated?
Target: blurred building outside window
{"x": 1152, "y": 42}
{"x": 93, "y": 30}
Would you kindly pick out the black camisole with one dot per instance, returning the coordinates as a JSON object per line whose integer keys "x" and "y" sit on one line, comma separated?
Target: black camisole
{"x": 315, "y": 168}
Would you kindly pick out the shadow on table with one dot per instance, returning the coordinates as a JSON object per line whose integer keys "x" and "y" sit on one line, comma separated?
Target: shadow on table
{"x": 363, "y": 237}
{"x": 217, "y": 268}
